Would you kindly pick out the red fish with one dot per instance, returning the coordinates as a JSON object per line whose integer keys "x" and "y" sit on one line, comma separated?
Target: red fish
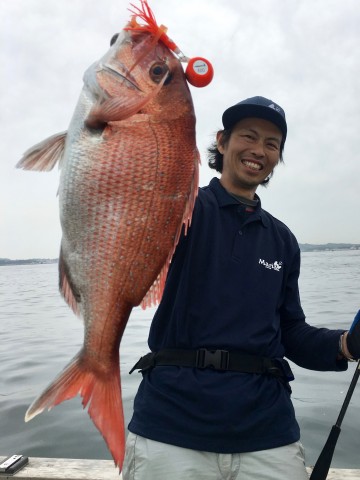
{"x": 129, "y": 178}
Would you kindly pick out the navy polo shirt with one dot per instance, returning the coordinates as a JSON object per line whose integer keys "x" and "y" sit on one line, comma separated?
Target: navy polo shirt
{"x": 232, "y": 285}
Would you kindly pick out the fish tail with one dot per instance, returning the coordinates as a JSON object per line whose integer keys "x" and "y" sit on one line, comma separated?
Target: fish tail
{"x": 101, "y": 391}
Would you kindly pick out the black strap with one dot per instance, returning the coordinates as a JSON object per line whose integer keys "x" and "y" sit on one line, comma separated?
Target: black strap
{"x": 216, "y": 359}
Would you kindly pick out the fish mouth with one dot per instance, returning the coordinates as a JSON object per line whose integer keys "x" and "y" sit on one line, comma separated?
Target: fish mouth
{"x": 126, "y": 76}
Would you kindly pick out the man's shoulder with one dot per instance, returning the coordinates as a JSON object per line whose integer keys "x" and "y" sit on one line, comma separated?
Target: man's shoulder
{"x": 207, "y": 189}
{"x": 275, "y": 220}
{"x": 280, "y": 226}
{"x": 206, "y": 195}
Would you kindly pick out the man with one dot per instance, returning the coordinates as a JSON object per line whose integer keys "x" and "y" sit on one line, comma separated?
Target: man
{"x": 215, "y": 400}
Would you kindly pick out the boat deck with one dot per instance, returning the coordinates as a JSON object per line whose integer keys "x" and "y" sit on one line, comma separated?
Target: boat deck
{"x": 71, "y": 469}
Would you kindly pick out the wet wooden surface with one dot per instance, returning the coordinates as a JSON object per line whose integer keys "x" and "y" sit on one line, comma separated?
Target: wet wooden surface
{"x": 71, "y": 469}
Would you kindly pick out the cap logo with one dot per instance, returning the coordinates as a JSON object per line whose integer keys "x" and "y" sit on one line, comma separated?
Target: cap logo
{"x": 275, "y": 107}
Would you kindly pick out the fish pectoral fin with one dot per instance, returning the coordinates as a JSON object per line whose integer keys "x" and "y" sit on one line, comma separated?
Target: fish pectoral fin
{"x": 113, "y": 110}
{"x": 116, "y": 109}
{"x": 44, "y": 155}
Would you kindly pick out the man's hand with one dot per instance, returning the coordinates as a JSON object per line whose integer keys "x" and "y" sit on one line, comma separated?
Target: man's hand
{"x": 353, "y": 338}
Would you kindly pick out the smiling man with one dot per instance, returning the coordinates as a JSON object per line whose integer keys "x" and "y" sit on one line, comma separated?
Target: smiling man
{"x": 250, "y": 155}
{"x": 215, "y": 400}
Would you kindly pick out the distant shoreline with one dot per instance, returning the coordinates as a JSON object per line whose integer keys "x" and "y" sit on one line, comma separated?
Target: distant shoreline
{"x": 304, "y": 247}
{"x": 326, "y": 247}
{"x": 31, "y": 261}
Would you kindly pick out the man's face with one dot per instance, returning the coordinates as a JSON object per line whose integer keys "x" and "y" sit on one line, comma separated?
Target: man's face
{"x": 249, "y": 156}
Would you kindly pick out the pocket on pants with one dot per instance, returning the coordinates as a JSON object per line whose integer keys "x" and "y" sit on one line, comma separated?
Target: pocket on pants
{"x": 301, "y": 451}
{"x": 128, "y": 471}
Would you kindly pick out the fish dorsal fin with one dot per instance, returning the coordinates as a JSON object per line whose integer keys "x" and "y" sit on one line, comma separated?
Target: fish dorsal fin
{"x": 44, "y": 155}
{"x": 154, "y": 294}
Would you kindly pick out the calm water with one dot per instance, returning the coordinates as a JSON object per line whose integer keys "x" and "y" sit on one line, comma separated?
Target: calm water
{"x": 39, "y": 335}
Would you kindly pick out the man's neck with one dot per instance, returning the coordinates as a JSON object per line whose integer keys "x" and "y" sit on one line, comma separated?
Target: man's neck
{"x": 246, "y": 194}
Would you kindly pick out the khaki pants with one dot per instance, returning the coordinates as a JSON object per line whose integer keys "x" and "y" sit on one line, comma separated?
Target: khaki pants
{"x": 149, "y": 460}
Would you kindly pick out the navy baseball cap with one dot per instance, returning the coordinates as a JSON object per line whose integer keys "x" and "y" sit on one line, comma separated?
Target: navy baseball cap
{"x": 259, "y": 107}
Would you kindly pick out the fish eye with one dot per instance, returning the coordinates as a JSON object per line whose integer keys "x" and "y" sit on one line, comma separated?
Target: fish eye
{"x": 113, "y": 39}
{"x": 158, "y": 71}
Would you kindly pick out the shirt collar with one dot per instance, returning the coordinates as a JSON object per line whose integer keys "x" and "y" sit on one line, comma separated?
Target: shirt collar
{"x": 224, "y": 199}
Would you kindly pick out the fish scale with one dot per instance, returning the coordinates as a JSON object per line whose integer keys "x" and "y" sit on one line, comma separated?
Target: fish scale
{"x": 129, "y": 178}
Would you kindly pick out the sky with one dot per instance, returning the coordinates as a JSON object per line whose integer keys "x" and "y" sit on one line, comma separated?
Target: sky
{"x": 303, "y": 54}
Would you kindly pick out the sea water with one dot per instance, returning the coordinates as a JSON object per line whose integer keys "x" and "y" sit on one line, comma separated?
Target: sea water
{"x": 39, "y": 334}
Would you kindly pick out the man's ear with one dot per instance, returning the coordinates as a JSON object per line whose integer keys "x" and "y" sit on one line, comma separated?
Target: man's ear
{"x": 219, "y": 142}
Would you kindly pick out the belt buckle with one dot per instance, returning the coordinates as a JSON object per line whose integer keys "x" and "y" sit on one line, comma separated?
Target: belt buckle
{"x": 216, "y": 359}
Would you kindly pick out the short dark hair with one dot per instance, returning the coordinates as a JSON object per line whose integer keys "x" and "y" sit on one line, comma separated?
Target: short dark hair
{"x": 215, "y": 158}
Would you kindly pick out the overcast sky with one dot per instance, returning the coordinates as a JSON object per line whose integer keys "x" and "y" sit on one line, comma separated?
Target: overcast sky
{"x": 303, "y": 54}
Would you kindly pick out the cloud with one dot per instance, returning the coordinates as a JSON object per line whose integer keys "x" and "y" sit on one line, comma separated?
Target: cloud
{"x": 303, "y": 55}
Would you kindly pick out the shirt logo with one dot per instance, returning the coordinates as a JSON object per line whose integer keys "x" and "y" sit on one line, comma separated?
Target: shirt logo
{"x": 271, "y": 266}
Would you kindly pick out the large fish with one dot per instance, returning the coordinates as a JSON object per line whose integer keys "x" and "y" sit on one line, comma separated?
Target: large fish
{"x": 129, "y": 178}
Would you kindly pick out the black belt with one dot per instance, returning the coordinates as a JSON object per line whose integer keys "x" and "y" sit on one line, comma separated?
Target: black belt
{"x": 218, "y": 360}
